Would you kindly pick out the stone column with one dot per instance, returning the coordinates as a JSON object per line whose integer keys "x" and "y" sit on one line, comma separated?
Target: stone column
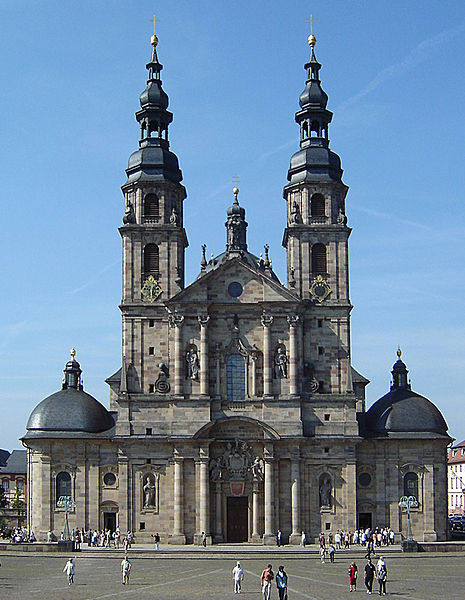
{"x": 203, "y": 321}
{"x": 176, "y": 321}
{"x": 253, "y": 391}
{"x": 293, "y": 356}
{"x": 269, "y": 536}
{"x": 204, "y": 497}
{"x": 219, "y": 520}
{"x": 429, "y": 532}
{"x": 255, "y": 512}
{"x": 218, "y": 371}
{"x": 295, "y": 501}
{"x": 178, "y": 536}
{"x": 267, "y": 320}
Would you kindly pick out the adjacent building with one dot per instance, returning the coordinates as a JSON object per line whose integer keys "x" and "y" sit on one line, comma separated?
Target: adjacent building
{"x": 236, "y": 410}
{"x": 456, "y": 479}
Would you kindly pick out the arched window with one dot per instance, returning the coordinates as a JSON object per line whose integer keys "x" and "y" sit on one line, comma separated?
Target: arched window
{"x": 6, "y": 485}
{"x": 305, "y": 130}
{"x": 235, "y": 367}
{"x": 151, "y": 206}
{"x": 63, "y": 485}
{"x": 151, "y": 260}
{"x": 317, "y": 205}
{"x": 20, "y": 485}
{"x": 319, "y": 258}
{"x": 315, "y": 129}
{"x": 411, "y": 484}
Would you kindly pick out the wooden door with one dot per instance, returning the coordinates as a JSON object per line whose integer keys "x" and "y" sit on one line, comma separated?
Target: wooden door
{"x": 237, "y": 509}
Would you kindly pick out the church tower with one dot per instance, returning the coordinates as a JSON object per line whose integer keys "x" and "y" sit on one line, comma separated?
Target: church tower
{"x": 154, "y": 239}
{"x": 316, "y": 235}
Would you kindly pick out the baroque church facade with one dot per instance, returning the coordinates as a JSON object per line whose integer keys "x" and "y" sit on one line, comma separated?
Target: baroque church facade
{"x": 236, "y": 411}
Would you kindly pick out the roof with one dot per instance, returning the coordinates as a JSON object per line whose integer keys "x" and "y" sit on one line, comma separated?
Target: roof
{"x": 401, "y": 413}
{"x": 16, "y": 462}
{"x": 4, "y": 454}
{"x": 358, "y": 377}
{"x": 457, "y": 454}
{"x": 69, "y": 410}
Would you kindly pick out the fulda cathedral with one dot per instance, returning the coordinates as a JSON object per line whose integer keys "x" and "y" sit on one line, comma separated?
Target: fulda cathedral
{"x": 236, "y": 410}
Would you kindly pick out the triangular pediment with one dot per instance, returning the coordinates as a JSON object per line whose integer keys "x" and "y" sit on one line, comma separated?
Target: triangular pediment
{"x": 249, "y": 287}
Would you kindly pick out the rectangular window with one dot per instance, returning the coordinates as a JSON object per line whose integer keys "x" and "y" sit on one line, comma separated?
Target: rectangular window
{"x": 326, "y": 450}
{"x": 151, "y": 388}
{"x": 236, "y": 378}
{"x": 142, "y": 525}
{"x": 327, "y": 417}
{"x": 151, "y": 350}
{"x": 320, "y": 322}
{"x": 148, "y": 431}
{"x": 327, "y": 526}
{"x": 151, "y": 323}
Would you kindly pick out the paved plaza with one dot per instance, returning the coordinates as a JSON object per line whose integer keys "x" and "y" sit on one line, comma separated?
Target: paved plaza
{"x": 206, "y": 575}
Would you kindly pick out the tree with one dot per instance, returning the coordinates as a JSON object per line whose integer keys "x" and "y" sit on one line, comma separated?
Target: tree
{"x": 3, "y": 498}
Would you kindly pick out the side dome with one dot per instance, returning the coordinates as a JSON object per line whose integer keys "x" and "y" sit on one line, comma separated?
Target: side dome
{"x": 403, "y": 411}
{"x": 70, "y": 409}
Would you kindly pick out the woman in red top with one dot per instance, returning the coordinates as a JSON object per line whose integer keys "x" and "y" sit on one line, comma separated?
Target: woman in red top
{"x": 352, "y": 577}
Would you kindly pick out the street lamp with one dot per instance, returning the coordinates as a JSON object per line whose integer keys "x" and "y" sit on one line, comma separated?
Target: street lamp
{"x": 67, "y": 503}
{"x": 408, "y": 502}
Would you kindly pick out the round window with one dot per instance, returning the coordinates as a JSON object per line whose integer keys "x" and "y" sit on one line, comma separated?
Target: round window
{"x": 235, "y": 289}
{"x": 109, "y": 479}
{"x": 364, "y": 479}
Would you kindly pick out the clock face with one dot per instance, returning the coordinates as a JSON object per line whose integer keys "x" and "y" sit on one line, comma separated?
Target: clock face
{"x": 320, "y": 289}
{"x": 151, "y": 289}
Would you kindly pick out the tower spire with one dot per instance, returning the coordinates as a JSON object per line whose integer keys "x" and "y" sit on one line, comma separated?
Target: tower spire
{"x": 236, "y": 225}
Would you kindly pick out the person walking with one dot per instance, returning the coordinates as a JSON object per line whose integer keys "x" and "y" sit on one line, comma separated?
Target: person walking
{"x": 381, "y": 571}
{"x": 204, "y": 539}
{"x": 303, "y": 539}
{"x": 322, "y": 553}
{"x": 69, "y": 570}
{"x": 352, "y": 571}
{"x": 369, "y": 576}
{"x": 156, "y": 539}
{"x": 332, "y": 552}
{"x": 281, "y": 583}
{"x": 265, "y": 581}
{"x": 125, "y": 570}
{"x": 238, "y": 577}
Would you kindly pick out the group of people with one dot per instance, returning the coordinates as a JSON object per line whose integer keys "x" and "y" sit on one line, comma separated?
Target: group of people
{"x": 371, "y": 571}
{"x": 20, "y": 535}
{"x": 70, "y": 570}
{"x": 370, "y": 538}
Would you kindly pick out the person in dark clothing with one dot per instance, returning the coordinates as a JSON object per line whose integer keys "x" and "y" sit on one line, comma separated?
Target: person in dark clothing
{"x": 369, "y": 576}
{"x": 382, "y": 576}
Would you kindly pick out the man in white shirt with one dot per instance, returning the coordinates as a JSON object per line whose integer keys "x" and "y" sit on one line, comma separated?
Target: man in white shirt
{"x": 238, "y": 577}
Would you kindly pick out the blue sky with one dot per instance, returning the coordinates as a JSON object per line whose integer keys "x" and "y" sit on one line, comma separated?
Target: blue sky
{"x": 72, "y": 73}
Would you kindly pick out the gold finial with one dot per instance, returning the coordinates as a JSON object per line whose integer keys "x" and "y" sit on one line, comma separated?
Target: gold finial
{"x": 399, "y": 352}
{"x": 235, "y": 188}
{"x": 73, "y": 353}
{"x": 311, "y": 37}
{"x": 154, "y": 39}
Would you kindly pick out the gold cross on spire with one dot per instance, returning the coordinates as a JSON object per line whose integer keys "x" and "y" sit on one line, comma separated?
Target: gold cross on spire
{"x": 311, "y": 37}
{"x": 154, "y": 39}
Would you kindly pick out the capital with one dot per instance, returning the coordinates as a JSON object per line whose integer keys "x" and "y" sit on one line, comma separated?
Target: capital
{"x": 293, "y": 320}
{"x": 175, "y": 319}
{"x": 266, "y": 319}
{"x": 203, "y": 320}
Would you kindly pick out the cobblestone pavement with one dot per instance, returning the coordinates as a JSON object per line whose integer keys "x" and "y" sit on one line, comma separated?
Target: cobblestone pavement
{"x": 202, "y": 576}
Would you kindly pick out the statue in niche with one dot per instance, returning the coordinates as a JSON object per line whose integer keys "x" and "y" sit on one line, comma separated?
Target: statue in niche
{"x": 174, "y": 217}
{"x": 325, "y": 492}
{"x": 309, "y": 375}
{"x": 295, "y": 217}
{"x": 280, "y": 363}
{"x": 129, "y": 215}
{"x": 162, "y": 385}
{"x": 149, "y": 493}
{"x": 193, "y": 365}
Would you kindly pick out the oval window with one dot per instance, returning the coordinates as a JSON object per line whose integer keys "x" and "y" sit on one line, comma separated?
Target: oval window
{"x": 235, "y": 289}
{"x": 364, "y": 479}
{"x": 109, "y": 479}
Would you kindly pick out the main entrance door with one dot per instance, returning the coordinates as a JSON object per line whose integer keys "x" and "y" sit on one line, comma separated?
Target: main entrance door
{"x": 109, "y": 521}
{"x": 364, "y": 520}
{"x": 237, "y": 519}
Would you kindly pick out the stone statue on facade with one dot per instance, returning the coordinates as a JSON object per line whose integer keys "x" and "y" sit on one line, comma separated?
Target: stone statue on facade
{"x": 149, "y": 493}
{"x": 174, "y": 217}
{"x": 162, "y": 385}
{"x": 257, "y": 468}
{"x": 295, "y": 216}
{"x": 280, "y": 363}
{"x": 129, "y": 215}
{"x": 193, "y": 365}
{"x": 325, "y": 492}
{"x": 341, "y": 218}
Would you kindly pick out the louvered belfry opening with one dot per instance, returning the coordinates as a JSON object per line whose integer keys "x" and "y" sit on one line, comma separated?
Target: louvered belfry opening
{"x": 151, "y": 206}
{"x": 319, "y": 259}
{"x": 151, "y": 260}
{"x": 317, "y": 205}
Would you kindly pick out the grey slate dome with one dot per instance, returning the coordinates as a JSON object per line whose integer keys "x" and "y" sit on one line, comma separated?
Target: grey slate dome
{"x": 403, "y": 411}
{"x": 70, "y": 409}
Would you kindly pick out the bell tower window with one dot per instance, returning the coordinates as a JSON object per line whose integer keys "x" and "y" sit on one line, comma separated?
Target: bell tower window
{"x": 151, "y": 206}
{"x": 317, "y": 206}
{"x": 151, "y": 260}
{"x": 319, "y": 265}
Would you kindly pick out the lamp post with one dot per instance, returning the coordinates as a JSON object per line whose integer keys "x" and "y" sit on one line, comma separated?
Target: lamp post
{"x": 67, "y": 503}
{"x": 408, "y": 502}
